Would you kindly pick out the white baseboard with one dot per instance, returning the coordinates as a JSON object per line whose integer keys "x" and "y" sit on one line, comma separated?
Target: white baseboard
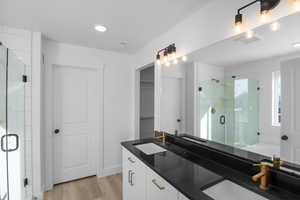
{"x": 39, "y": 196}
{"x": 48, "y": 187}
{"x": 111, "y": 170}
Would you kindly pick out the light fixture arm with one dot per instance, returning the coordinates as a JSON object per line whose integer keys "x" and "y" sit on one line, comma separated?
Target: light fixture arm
{"x": 246, "y": 6}
{"x": 164, "y": 49}
{"x": 265, "y": 5}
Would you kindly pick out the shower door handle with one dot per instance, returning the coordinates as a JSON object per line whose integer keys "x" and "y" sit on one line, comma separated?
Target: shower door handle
{"x": 222, "y": 119}
{"x": 6, "y": 137}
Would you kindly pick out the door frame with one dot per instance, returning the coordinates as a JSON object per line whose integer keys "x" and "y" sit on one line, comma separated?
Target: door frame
{"x": 137, "y": 86}
{"x": 49, "y": 126}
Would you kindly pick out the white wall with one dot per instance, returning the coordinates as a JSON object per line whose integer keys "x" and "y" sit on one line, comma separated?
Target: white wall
{"x": 190, "y": 94}
{"x": 118, "y": 97}
{"x": 262, "y": 71}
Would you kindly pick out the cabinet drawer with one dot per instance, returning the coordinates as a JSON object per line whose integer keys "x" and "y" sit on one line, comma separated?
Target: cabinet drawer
{"x": 158, "y": 188}
{"x": 129, "y": 158}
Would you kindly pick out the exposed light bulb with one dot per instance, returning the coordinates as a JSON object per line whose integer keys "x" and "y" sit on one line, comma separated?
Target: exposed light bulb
{"x": 167, "y": 64}
{"x": 184, "y": 58}
{"x": 238, "y": 28}
{"x": 158, "y": 62}
{"x": 275, "y": 26}
{"x": 297, "y": 4}
{"x": 166, "y": 59}
{"x": 249, "y": 34}
{"x": 296, "y": 45}
{"x": 175, "y": 61}
{"x": 264, "y": 16}
{"x": 173, "y": 55}
{"x": 238, "y": 22}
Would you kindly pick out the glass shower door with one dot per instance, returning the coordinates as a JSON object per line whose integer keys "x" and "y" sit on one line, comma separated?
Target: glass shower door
{"x": 3, "y": 123}
{"x": 245, "y": 113}
{"x": 11, "y": 126}
{"x": 212, "y": 116}
{"x": 15, "y": 128}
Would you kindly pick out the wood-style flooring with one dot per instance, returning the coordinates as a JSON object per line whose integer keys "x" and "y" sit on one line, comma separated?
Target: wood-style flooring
{"x": 91, "y": 188}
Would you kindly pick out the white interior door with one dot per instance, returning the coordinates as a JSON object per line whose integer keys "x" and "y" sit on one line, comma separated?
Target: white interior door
{"x": 290, "y": 125}
{"x": 172, "y": 105}
{"x": 76, "y": 121}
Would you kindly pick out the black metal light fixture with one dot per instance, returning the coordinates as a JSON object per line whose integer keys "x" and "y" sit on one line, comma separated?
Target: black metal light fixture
{"x": 265, "y": 7}
{"x": 168, "y": 54}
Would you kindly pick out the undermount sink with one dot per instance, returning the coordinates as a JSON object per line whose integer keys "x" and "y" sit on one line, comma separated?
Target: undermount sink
{"x": 150, "y": 148}
{"x": 227, "y": 190}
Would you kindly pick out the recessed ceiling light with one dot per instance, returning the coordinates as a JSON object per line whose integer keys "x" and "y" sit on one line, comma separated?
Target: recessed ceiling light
{"x": 100, "y": 28}
{"x": 296, "y": 44}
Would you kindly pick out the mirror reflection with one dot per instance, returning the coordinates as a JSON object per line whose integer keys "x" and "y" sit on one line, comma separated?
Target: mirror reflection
{"x": 243, "y": 91}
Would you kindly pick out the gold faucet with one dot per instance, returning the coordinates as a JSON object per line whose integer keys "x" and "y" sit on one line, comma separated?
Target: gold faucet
{"x": 263, "y": 175}
{"x": 162, "y": 136}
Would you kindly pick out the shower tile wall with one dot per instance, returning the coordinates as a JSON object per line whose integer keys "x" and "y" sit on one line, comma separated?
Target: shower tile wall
{"x": 19, "y": 41}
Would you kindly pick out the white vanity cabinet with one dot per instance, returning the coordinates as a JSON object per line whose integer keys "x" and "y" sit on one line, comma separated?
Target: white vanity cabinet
{"x": 134, "y": 178}
{"x": 142, "y": 183}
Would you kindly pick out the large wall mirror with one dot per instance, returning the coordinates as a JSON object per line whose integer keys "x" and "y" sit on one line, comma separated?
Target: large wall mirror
{"x": 243, "y": 91}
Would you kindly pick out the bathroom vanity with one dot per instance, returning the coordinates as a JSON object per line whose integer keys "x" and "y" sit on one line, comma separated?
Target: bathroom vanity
{"x": 183, "y": 169}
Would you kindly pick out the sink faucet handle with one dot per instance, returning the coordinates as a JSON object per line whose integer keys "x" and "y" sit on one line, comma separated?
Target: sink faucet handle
{"x": 277, "y": 162}
{"x": 263, "y": 164}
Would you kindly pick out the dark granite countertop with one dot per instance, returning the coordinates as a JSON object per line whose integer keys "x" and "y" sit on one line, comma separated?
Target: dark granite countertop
{"x": 191, "y": 174}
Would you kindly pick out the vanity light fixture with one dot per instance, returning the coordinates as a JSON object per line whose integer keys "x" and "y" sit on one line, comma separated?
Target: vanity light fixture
{"x": 265, "y": 7}
{"x": 168, "y": 55}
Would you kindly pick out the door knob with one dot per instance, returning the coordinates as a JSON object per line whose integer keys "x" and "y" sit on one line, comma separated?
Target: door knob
{"x": 284, "y": 137}
{"x": 56, "y": 131}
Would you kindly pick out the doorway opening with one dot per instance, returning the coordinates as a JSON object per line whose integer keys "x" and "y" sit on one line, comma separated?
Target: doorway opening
{"x": 146, "y": 99}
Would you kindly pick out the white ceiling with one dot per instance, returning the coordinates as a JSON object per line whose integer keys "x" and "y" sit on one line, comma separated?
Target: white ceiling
{"x": 232, "y": 51}
{"x": 72, "y": 21}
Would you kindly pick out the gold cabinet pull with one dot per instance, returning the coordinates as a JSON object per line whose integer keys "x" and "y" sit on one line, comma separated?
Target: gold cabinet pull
{"x": 131, "y": 178}
{"x": 130, "y": 159}
{"x": 157, "y": 185}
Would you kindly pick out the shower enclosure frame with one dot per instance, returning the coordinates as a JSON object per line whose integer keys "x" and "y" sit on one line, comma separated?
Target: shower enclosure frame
{"x": 12, "y": 137}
